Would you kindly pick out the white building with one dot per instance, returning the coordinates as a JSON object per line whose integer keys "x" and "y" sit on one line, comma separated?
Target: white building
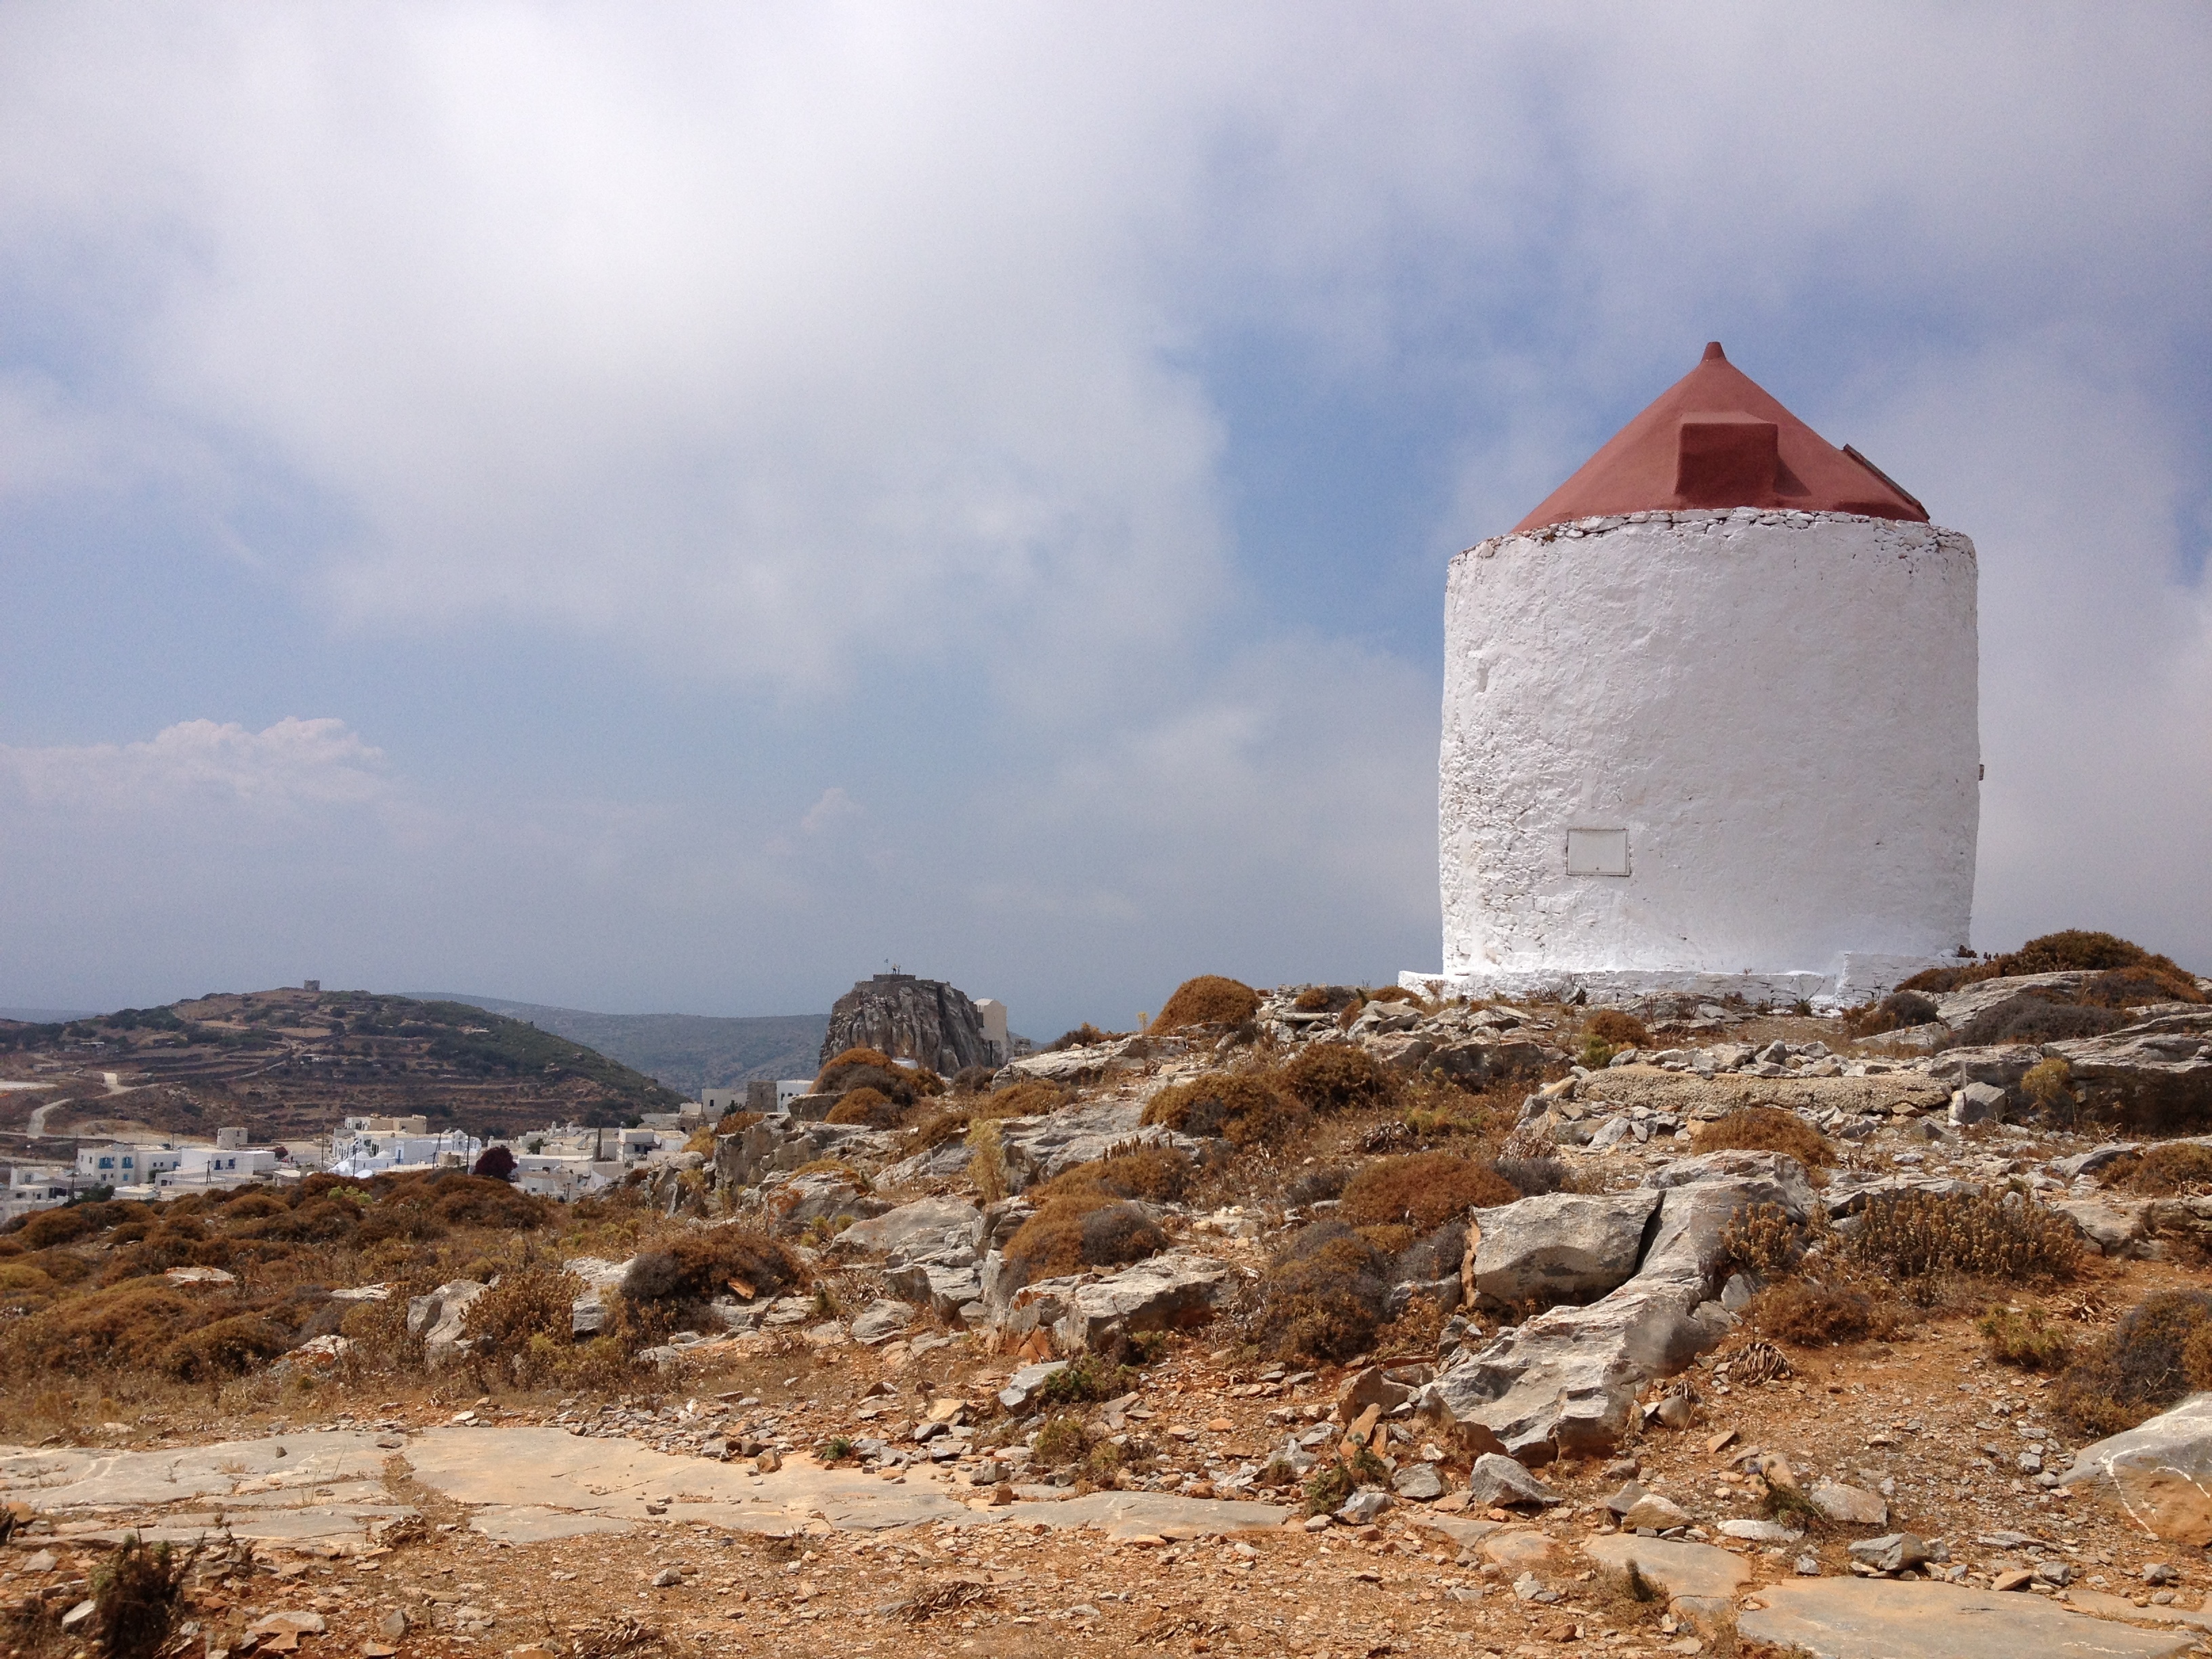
{"x": 119, "y": 1164}
{"x": 1710, "y": 721}
{"x": 995, "y": 1029}
{"x": 361, "y": 1147}
{"x": 566, "y": 1175}
{"x": 202, "y": 1168}
{"x": 32, "y": 1187}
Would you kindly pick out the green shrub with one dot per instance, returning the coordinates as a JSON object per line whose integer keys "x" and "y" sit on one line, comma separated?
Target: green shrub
{"x": 2023, "y": 1339}
{"x": 1060, "y": 1441}
{"x": 1086, "y": 1377}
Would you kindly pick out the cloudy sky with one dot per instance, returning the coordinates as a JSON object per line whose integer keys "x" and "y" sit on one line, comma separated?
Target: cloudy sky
{"x": 654, "y": 508}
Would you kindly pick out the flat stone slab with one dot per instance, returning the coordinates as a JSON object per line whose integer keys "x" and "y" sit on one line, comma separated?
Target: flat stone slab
{"x": 75, "y": 1477}
{"x": 1140, "y": 1514}
{"x": 533, "y": 1523}
{"x": 1884, "y": 1619}
{"x": 1677, "y": 1567}
{"x": 1683, "y": 1092}
{"x": 545, "y": 1468}
{"x": 2103, "y": 1606}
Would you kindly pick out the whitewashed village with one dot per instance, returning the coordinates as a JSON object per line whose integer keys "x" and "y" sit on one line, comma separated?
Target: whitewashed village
{"x": 1712, "y": 1252}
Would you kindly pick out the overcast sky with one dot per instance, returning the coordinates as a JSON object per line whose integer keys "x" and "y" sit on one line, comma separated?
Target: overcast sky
{"x": 654, "y": 508}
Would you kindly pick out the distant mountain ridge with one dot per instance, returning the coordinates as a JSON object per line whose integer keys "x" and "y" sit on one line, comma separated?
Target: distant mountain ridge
{"x": 687, "y": 1052}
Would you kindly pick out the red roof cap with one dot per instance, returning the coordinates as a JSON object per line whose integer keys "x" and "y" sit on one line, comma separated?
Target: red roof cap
{"x": 1716, "y": 439}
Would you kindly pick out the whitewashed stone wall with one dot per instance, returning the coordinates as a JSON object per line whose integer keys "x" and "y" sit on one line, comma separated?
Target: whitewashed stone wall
{"x": 1778, "y": 710}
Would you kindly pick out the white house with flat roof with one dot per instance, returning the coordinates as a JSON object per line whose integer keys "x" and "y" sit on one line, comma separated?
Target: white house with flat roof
{"x": 31, "y": 1187}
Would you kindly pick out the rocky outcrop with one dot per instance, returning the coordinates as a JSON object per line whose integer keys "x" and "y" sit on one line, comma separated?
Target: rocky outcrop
{"x": 1179, "y": 1289}
{"x": 1557, "y": 1246}
{"x": 1566, "y": 1382}
{"x": 908, "y": 1018}
{"x": 439, "y": 1316}
{"x": 942, "y": 1232}
{"x": 2159, "y": 1473}
{"x": 1864, "y": 1618}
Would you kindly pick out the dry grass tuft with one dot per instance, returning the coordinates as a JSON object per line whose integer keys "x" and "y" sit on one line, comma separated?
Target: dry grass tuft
{"x": 1209, "y": 1000}
{"x": 1422, "y": 1190}
{"x": 1246, "y": 1110}
{"x": 1766, "y": 1129}
{"x": 1032, "y": 1098}
{"x": 1815, "y": 1316}
{"x": 1900, "y": 1011}
{"x": 2021, "y": 1339}
{"x": 1763, "y": 1240}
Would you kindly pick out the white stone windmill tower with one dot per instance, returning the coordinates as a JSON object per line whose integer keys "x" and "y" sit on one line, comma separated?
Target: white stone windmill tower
{"x": 1709, "y": 722}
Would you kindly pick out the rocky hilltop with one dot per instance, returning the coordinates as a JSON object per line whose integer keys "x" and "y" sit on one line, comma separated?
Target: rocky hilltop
{"x": 906, "y": 1018}
{"x": 1346, "y": 1322}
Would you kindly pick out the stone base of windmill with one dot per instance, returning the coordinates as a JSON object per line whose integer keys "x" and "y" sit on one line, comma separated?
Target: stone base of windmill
{"x": 1856, "y": 979}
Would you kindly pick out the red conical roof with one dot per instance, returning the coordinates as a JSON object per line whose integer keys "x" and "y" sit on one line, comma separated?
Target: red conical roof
{"x": 1716, "y": 439}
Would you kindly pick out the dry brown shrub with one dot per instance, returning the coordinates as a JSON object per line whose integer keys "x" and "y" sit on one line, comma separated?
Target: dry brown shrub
{"x": 1809, "y": 1315}
{"x": 1244, "y": 1108}
{"x": 698, "y": 1267}
{"x": 2160, "y": 1351}
{"x": 1160, "y": 1173}
{"x": 1031, "y": 1097}
{"x": 868, "y": 1106}
{"x": 1766, "y": 1129}
{"x": 1323, "y": 1296}
{"x": 1898, "y": 1011}
{"x": 226, "y": 1347}
{"x": 1915, "y": 1235}
{"x": 1209, "y": 999}
{"x": 1086, "y": 1229}
{"x": 1618, "y": 1029}
{"x": 1314, "y": 999}
{"x": 1763, "y": 1240}
{"x": 2074, "y": 951}
{"x": 46, "y": 1228}
{"x": 1422, "y": 1190}
{"x": 128, "y": 1327}
{"x": 1338, "y": 1076}
{"x": 2163, "y": 1172}
{"x": 875, "y": 1057}
{"x": 934, "y": 1131}
{"x": 136, "y": 1593}
{"x": 531, "y": 1299}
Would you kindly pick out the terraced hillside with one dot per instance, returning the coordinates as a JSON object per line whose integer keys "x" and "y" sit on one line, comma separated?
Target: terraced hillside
{"x": 291, "y": 1062}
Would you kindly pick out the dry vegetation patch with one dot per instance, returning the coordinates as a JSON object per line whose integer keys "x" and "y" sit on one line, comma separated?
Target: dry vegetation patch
{"x": 1336, "y": 1076}
{"x": 1422, "y": 1190}
{"x": 2160, "y": 1352}
{"x": 1209, "y": 999}
{"x": 1766, "y": 1129}
{"x": 1324, "y": 1295}
{"x": 1245, "y": 1109}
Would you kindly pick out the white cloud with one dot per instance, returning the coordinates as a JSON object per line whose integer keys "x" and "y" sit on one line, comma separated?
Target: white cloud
{"x": 292, "y": 766}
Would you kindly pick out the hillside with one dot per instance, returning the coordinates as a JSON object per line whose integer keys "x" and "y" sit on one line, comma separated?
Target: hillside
{"x": 291, "y": 1062}
{"x": 687, "y": 1052}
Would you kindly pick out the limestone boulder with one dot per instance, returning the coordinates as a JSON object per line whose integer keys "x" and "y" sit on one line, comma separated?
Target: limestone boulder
{"x": 1854, "y": 1507}
{"x": 2167, "y": 1057}
{"x": 2113, "y": 1226}
{"x": 943, "y": 1232}
{"x": 1498, "y": 1481}
{"x": 1675, "y": 1567}
{"x": 1173, "y": 1290}
{"x": 1557, "y": 1246}
{"x": 1038, "y": 1148}
{"x": 823, "y": 1196}
{"x": 1566, "y": 1382}
{"x": 1956, "y": 1008}
{"x": 880, "y": 1320}
{"x": 438, "y": 1318}
{"x": 2158, "y": 1473}
{"x": 1979, "y": 1102}
{"x": 2000, "y": 1065}
{"x": 944, "y": 1291}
